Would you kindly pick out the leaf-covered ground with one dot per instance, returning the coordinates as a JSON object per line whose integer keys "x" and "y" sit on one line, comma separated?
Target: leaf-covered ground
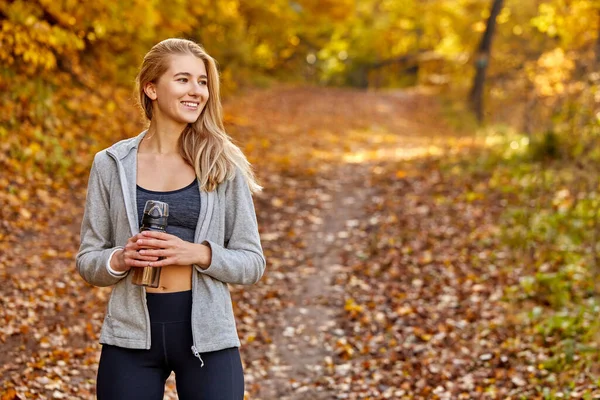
{"x": 386, "y": 275}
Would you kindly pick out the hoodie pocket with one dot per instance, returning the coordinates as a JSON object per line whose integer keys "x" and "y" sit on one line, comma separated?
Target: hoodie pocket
{"x": 225, "y": 305}
{"x": 126, "y": 317}
{"x": 118, "y": 329}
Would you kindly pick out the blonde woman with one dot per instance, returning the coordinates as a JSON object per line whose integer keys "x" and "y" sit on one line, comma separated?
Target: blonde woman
{"x": 184, "y": 158}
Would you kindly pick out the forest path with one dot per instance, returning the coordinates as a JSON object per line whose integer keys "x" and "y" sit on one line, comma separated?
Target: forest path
{"x": 324, "y": 146}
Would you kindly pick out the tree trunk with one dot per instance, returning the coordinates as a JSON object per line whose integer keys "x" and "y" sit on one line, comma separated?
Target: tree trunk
{"x": 482, "y": 60}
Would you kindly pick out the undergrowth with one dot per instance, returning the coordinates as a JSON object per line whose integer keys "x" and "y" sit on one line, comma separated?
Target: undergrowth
{"x": 550, "y": 224}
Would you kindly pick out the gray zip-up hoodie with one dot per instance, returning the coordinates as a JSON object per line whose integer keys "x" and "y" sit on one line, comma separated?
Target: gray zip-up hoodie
{"x": 227, "y": 223}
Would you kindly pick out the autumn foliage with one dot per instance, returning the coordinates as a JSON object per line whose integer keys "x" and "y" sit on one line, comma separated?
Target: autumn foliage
{"x": 412, "y": 253}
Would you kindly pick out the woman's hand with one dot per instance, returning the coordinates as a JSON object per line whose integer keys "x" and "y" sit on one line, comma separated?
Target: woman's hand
{"x": 130, "y": 256}
{"x": 171, "y": 250}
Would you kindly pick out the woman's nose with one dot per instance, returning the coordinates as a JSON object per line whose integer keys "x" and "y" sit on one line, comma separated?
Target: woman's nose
{"x": 197, "y": 89}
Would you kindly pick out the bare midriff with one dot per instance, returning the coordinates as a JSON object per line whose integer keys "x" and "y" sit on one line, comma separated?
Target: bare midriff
{"x": 173, "y": 278}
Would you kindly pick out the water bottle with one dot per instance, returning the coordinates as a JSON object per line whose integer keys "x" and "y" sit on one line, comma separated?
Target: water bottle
{"x": 155, "y": 218}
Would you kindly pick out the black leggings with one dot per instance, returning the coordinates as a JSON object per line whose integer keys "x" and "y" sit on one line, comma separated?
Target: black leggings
{"x": 130, "y": 374}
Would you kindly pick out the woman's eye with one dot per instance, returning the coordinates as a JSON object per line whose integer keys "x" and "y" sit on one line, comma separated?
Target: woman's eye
{"x": 203, "y": 83}
{"x": 182, "y": 80}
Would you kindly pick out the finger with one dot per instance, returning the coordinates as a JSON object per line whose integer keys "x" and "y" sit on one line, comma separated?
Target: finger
{"x": 164, "y": 262}
{"x": 137, "y": 247}
{"x": 132, "y": 245}
{"x": 133, "y": 250}
{"x": 149, "y": 258}
{"x": 135, "y": 255}
{"x": 141, "y": 264}
{"x": 156, "y": 235}
{"x": 131, "y": 262}
{"x": 135, "y": 238}
{"x": 155, "y": 252}
{"x": 159, "y": 244}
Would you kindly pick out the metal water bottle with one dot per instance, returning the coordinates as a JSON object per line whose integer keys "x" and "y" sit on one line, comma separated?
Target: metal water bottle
{"x": 155, "y": 218}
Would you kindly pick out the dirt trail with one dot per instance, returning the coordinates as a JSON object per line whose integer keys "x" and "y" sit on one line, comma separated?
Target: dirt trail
{"x": 352, "y": 131}
{"x": 305, "y": 340}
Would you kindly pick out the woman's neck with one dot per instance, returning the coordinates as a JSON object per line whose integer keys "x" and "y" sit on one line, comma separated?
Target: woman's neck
{"x": 161, "y": 139}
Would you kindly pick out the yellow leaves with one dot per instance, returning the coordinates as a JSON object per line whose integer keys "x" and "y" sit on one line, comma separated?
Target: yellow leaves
{"x": 551, "y": 72}
{"x": 422, "y": 334}
{"x": 479, "y": 27}
{"x": 44, "y": 343}
{"x": 50, "y": 253}
{"x": 504, "y": 15}
{"x": 265, "y": 143}
{"x": 277, "y": 202}
{"x": 569, "y": 25}
{"x": 294, "y": 40}
{"x": 30, "y": 20}
{"x": 404, "y": 310}
{"x": 264, "y": 55}
{"x": 229, "y": 8}
{"x": 236, "y": 119}
{"x": 545, "y": 20}
{"x": 10, "y": 394}
{"x": 337, "y": 10}
{"x": 286, "y": 53}
{"x": 111, "y": 106}
{"x": 517, "y": 30}
{"x": 25, "y": 213}
{"x": 44, "y": 196}
{"x": 401, "y": 174}
{"x": 32, "y": 149}
{"x": 563, "y": 200}
{"x": 344, "y": 349}
{"x": 28, "y": 45}
{"x": 329, "y": 364}
{"x": 352, "y": 307}
{"x": 24, "y": 329}
{"x": 473, "y": 196}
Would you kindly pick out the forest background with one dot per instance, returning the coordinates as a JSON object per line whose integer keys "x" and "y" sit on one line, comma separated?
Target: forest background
{"x": 66, "y": 92}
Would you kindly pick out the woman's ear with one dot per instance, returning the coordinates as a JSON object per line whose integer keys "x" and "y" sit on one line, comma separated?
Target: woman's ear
{"x": 150, "y": 90}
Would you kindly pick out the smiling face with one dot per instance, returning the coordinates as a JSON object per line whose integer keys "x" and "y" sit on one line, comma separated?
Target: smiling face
{"x": 180, "y": 94}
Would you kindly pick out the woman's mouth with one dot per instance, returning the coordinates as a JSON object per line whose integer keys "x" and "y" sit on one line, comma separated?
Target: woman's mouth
{"x": 190, "y": 105}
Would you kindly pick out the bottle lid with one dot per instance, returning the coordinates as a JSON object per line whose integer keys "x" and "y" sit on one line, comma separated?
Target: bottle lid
{"x": 156, "y": 209}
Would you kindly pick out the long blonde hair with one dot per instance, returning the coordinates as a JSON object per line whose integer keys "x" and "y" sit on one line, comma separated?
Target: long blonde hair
{"x": 204, "y": 144}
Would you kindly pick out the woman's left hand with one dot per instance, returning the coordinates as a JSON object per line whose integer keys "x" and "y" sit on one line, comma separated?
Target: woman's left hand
{"x": 172, "y": 250}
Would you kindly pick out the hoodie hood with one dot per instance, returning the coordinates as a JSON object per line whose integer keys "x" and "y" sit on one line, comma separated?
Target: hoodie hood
{"x": 124, "y": 147}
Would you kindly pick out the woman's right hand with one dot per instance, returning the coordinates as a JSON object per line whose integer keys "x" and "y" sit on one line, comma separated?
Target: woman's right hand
{"x": 123, "y": 260}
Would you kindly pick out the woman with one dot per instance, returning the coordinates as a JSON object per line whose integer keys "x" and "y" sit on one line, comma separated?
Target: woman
{"x": 186, "y": 159}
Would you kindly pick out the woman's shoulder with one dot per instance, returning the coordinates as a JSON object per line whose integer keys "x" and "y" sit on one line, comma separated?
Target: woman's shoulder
{"x": 119, "y": 149}
{"x": 102, "y": 158}
{"x": 233, "y": 178}
{"x": 236, "y": 186}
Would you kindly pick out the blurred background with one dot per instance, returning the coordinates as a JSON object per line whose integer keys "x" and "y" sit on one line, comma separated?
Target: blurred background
{"x": 464, "y": 132}
{"x": 68, "y": 67}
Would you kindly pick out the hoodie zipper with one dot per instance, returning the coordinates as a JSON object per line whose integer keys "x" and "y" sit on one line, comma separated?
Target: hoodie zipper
{"x": 194, "y": 348}
{"x": 126, "y": 200}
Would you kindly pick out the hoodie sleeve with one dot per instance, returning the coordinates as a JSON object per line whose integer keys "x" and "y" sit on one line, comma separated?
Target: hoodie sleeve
{"x": 96, "y": 233}
{"x": 241, "y": 260}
